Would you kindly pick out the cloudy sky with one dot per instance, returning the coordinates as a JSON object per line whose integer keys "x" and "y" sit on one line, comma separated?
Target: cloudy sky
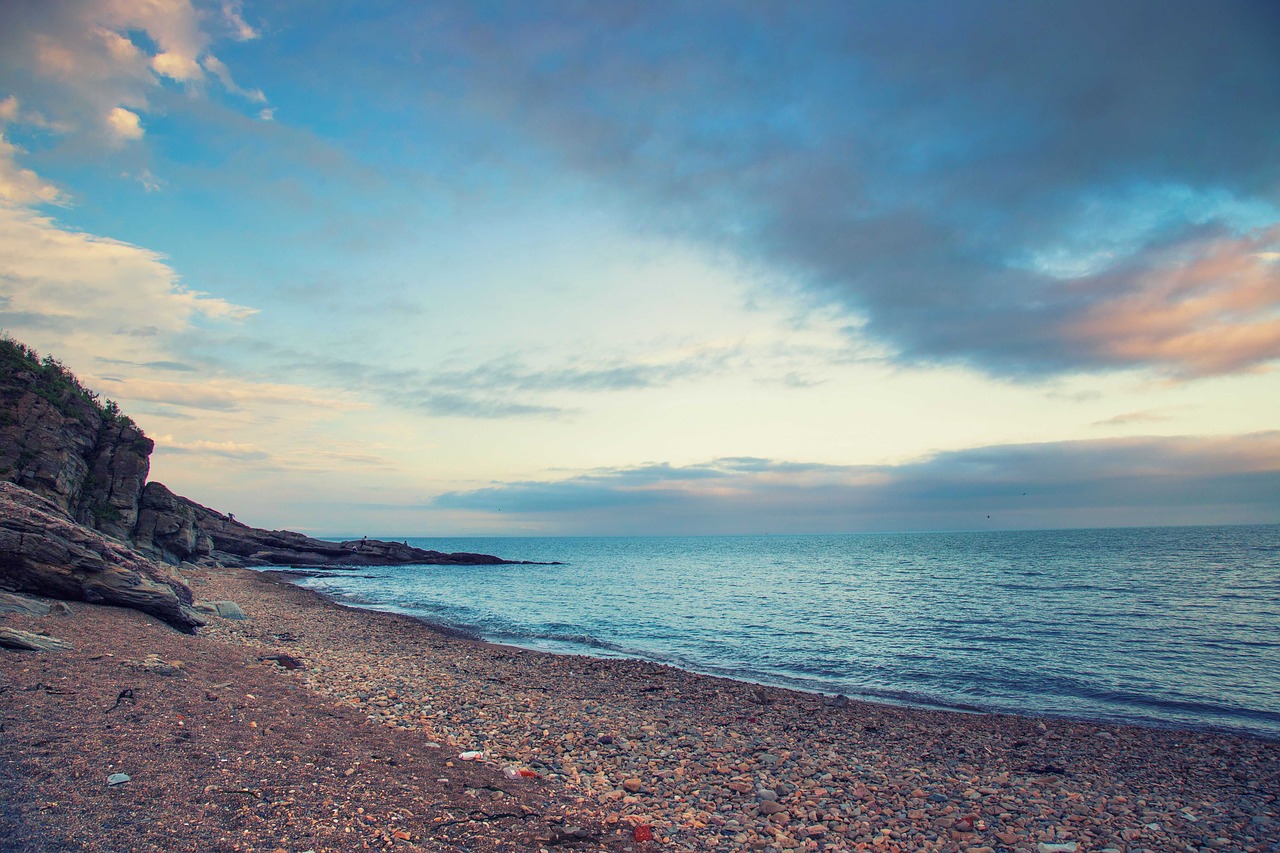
{"x": 416, "y": 268}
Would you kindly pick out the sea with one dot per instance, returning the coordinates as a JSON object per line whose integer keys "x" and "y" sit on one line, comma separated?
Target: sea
{"x": 1169, "y": 626}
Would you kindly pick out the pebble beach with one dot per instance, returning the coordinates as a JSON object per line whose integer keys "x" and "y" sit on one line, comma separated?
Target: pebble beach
{"x": 580, "y": 753}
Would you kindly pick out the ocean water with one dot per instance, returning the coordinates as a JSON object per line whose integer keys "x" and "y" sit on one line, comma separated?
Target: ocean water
{"x": 1156, "y": 626}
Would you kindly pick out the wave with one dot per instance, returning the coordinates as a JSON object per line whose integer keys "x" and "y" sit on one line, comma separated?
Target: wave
{"x": 568, "y": 638}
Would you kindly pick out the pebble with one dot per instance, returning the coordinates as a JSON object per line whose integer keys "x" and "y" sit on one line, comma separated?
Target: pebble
{"x": 118, "y": 779}
{"x": 711, "y": 769}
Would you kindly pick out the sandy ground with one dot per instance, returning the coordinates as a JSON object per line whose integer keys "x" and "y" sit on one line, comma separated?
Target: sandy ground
{"x": 359, "y": 747}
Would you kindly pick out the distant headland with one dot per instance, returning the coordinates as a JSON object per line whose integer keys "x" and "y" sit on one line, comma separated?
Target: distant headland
{"x": 80, "y": 521}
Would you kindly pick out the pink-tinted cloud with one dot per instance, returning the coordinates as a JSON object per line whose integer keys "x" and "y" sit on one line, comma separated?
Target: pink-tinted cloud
{"x": 1204, "y": 308}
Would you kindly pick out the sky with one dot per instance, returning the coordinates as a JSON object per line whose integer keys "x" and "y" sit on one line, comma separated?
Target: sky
{"x": 574, "y": 268}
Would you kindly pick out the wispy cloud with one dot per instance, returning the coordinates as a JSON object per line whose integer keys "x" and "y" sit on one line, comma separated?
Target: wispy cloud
{"x": 508, "y": 386}
{"x": 179, "y": 366}
{"x": 19, "y": 186}
{"x": 233, "y": 14}
{"x": 223, "y": 449}
{"x": 1145, "y": 416}
{"x": 224, "y": 394}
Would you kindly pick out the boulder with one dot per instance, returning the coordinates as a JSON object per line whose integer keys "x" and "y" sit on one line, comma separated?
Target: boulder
{"x": 26, "y": 605}
{"x": 171, "y": 528}
{"x": 225, "y": 609}
{"x": 44, "y": 552}
{"x": 12, "y": 638}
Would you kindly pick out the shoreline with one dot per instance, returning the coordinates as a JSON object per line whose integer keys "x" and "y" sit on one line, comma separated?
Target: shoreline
{"x": 292, "y": 577}
{"x": 704, "y": 762}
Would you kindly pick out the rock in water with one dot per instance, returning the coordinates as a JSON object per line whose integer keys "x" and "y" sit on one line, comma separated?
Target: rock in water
{"x": 44, "y": 552}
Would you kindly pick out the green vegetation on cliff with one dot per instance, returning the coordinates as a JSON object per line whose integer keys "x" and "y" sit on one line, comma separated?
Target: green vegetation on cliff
{"x": 54, "y": 382}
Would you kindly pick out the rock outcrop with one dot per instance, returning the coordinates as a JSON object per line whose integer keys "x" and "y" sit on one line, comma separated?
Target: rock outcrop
{"x": 78, "y": 519}
{"x": 57, "y": 440}
{"x": 44, "y": 552}
{"x": 179, "y": 530}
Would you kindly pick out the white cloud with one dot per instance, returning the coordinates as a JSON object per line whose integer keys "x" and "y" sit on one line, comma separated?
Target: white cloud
{"x": 84, "y": 296}
{"x": 108, "y": 57}
{"x": 124, "y": 125}
{"x": 12, "y": 112}
{"x": 20, "y": 186}
{"x": 231, "y": 12}
{"x": 218, "y": 68}
{"x": 120, "y": 48}
{"x": 23, "y": 186}
{"x": 177, "y": 66}
{"x": 228, "y": 449}
{"x": 174, "y": 25}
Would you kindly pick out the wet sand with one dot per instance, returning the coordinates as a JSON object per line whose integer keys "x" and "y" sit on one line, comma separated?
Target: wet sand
{"x": 233, "y": 750}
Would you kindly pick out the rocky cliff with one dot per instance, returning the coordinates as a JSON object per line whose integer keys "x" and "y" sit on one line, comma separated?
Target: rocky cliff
{"x": 60, "y": 442}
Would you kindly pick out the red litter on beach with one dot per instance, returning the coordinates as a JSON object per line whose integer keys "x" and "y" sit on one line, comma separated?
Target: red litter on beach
{"x": 644, "y": 832}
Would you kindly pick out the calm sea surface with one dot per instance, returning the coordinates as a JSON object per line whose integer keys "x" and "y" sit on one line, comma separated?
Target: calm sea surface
{"x": 1164, "y": 626}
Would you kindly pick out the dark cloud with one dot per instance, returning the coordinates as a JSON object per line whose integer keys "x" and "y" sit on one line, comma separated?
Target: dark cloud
{"x": 1110, "y": 482}
{"x": 472, "y": 405}
{"x": 978, "y": 181}
{"x": 179, "y": 366}
{"x": 37, "y": 320}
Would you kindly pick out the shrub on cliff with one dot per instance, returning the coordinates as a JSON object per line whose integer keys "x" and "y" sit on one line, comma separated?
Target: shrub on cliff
{"x": 54, "y": 382}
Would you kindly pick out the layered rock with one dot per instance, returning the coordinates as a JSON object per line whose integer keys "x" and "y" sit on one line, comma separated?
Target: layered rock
{"x": 179, "y": 530}
{"x": 42, "y": 551}
{"x": 118, "y": 467}
{"x": 59, "y": 442}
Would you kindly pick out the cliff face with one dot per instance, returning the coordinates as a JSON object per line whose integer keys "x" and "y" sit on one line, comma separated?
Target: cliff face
{"x": 58, "y": 442}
